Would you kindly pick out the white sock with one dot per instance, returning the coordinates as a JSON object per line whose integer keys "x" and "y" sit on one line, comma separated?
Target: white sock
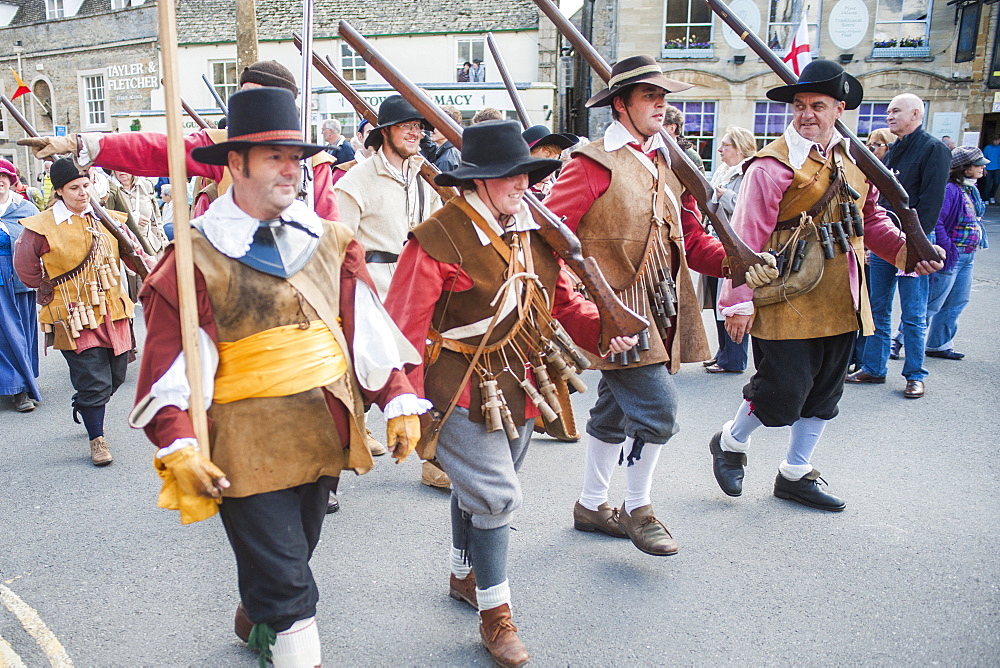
{"x": 297, "y": 647}
{"x": 599, "y": 463}
{"x": 729, "y": 443}
{"x": 639, "y": 476}
{"x": 805, "y": 436}
{"x": 744, "y": 423}
{"x": 493, "y": 597}
{"x": 459, "y": 569}
{"x": 794, "y": 472}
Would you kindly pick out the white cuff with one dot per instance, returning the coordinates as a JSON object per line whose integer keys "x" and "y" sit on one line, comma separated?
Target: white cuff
{"x": 90, "y": 146}
{"x": 729, "y": 442}
{"x": 178, "y": 444}
{"x": 406, "y": 404}
{"x": 172, "y": 389}
{"x": 794, "y": 472}
{"x": 493, "y": 597}
{"x": 379, "y": 346}
{"x": 743, "y": 308}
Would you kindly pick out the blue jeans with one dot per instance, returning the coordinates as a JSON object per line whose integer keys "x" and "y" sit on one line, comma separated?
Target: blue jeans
{"x": 949, "y": 294}
{"x": 992, "y": 181}
{"x": 913, "y": 319}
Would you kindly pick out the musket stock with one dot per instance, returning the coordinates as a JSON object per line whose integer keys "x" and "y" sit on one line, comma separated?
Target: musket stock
{"x": 125, "y": 247}
{"x": 616, "y": 318}
{"x": 366, "y": 111}
{"x": 918, "y": 246}
{"x": 740, "y": 256}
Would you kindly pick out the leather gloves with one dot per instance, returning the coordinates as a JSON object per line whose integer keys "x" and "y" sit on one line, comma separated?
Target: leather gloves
{"x": 403, "y": 433}
{"x": 762, "y": 274}
{"x": 48, "y": 148}
{"x": 189, "y": 484}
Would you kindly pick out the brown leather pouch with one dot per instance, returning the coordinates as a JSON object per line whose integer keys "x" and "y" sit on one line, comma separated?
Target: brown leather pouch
{"x": 795, "y": 283}
{"x": 62, "y": 338}
{"x": 430, "y": 428}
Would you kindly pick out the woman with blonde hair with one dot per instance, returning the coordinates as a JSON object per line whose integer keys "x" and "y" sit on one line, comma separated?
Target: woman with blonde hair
{"x": 878, "y": 142}
{"x": 736, "y": 147}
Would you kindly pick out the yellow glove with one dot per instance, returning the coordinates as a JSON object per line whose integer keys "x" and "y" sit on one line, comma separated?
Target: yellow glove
{"x": 191, "y": 484}
{"x": 403, "y": 432}
{"x": 762, "y": 274}
{"x": 47, "y": 148}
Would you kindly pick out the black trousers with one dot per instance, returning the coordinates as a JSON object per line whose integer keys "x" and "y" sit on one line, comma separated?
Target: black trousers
{"x": 273, "y": 536}
{"x": 96, "y": 373}
{"x": 798, "y": 378}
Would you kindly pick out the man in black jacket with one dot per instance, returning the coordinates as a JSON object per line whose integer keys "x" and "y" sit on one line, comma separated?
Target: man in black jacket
{"x": 337, "y": 144}
{"x": 921, "y": 163}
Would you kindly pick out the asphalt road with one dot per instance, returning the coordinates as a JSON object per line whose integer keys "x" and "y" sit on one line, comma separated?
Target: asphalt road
{"x": 92, "y": 573}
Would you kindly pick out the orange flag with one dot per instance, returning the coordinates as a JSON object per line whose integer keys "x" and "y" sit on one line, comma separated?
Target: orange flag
{"x": 22, "y": 88}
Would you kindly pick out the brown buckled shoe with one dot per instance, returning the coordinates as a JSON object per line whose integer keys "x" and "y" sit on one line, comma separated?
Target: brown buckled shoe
{"x": 647, "y": 533}
{"x": 100, "y": 454}
{"x": 464, "y": 589}
{"x": 242, "y": 624}
{"x": 603, "y": 520}
{"x": 432, "y": 475}
{"x": 500, "y": 637}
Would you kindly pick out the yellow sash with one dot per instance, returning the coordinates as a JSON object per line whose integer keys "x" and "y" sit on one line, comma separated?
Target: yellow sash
{"x": 278, "y": 362}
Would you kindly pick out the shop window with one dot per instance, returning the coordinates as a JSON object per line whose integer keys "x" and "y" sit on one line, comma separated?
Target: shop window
{"x": 902, "y": 29}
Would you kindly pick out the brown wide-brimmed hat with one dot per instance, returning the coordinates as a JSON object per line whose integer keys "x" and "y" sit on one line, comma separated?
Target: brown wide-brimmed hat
{"x": 632, "y": 71}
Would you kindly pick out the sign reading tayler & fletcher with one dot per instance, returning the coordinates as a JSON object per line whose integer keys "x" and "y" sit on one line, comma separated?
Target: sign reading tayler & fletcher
{"x": 133, "y": 76}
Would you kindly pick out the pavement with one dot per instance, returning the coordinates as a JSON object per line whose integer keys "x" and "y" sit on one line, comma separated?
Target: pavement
{"x": 93, "y": 574}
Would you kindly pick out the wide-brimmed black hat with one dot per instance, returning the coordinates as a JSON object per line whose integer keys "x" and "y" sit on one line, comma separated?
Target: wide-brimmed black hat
{"x": 631, "y": 71}
{"x": 258, "y": 117}
{"x": 64, "y": 171}
{"x": 393, "y": 111}
{"x": 494, "y": 150}
{"x": 539, "y": 135}
{"x": 826, "y": 78}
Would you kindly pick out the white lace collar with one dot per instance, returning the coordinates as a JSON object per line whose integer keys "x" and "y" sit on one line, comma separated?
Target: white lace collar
{"x": 799, "y": 147}
{"x": 231, "y": 230}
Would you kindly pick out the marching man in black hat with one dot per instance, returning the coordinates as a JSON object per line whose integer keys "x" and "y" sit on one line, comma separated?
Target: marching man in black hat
{"x": 294, "y": 342}
{"x": 805, "y": 200}
{"x": 480, "y": 285}
{"x": 633, "y": 216}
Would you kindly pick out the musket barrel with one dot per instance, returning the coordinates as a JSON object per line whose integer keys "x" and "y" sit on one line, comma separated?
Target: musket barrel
{"x": 508, "y": 82}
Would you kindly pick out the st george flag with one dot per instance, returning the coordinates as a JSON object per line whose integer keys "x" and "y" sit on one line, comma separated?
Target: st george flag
{"x": 798, "y": 54}
{"x": 21, "y": 87}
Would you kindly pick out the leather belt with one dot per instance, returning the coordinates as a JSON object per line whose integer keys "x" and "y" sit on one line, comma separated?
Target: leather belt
{"x": 381, "y": 257}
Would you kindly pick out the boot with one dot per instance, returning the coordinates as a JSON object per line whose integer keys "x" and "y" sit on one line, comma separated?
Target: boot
{"x": 242, "y": 624}
{"x": 464, "y": 589}
{"x": 376, "y": 447}
{"x": 23, "y": 403}
{"x": 100, "y": 454}
{"x": 647, "y": 533}
{"x": 432, "y": 475}
{"x": 500, "y": 637}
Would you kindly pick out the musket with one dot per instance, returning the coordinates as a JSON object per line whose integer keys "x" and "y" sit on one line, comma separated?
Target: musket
{"x": 305, "y": 104}
{"x": 366, "y": 111}
{"x": 125, "y": 247}
{"x": 918, "y": 246}
{"x": 740, "y": 256}
{"x": 215, "y": 94}
{"x": 616, "y": 318}
{"x": 195, "y": 116}
{"x": 508, "y": 82}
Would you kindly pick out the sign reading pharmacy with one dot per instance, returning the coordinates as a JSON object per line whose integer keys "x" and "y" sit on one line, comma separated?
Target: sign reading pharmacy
{"x": 464, "y": 100}
{"x": 848, "y": 23}
{"x": 133, "y": 76}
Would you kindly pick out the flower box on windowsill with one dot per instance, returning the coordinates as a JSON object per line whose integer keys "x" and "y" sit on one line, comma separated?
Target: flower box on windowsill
{"x": 687, "y": 53}
{"x": 901, "y": 52}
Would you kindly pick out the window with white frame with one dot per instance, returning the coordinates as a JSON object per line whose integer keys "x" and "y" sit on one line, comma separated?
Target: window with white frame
{"x": 699, "y": 128}
{"x": 352, "y": 66}
{"x": 770, "y": 120}
{"x": 469, "y": 49}
{"x": 224, "y": 78}
{"x": 902, "y": 25}
{"x": 54, "y": 9}
{"x": 93, "y": 100}
{"x": 687, "y": 29}
{"x": 783, "y": 22}
{"x": 871, "y": 117}
{"x": 120, "y": 4}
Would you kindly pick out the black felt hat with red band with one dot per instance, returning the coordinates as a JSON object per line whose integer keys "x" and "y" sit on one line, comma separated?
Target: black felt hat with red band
{"x": 258, "y": 117}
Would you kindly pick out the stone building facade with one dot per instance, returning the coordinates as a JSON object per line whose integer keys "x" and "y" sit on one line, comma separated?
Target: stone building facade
{"x": 932, "y": 48}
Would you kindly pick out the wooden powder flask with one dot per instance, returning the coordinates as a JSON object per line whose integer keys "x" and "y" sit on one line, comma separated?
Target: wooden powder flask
{"x": 491, "y": 406}
{"x": 103, "y": 306}
{"x": 555, "y": 357}
{"x": 47, "y": 328}
{"x": 509, "y": 426}
{"x": 546, "y": 387}
{"x": 548, "y": 414}
{"x": 89, "y": 316}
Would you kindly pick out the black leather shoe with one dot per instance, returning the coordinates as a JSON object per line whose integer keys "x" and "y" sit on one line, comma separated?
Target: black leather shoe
{"x": 864, "y": 377}
{"x": 333, "y": 505}
{"x": 727, "y": 467}
{"x": 807, "y": 492}
{"x": 894, "y": 349}
{"x": 945, "y": 354}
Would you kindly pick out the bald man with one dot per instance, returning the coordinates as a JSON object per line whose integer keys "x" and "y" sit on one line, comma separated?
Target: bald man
{"x": 921, "y": 163}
